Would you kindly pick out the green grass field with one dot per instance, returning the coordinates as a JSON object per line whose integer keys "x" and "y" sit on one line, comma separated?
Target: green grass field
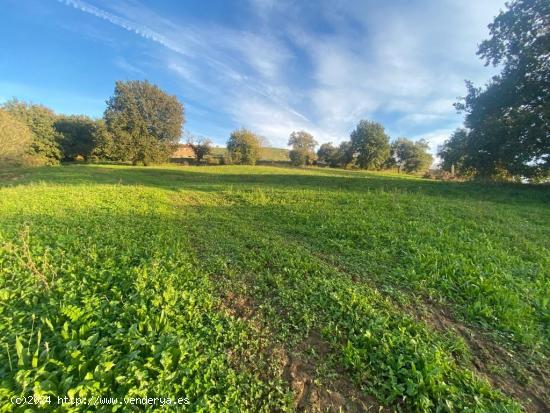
{"x": 272, "y": 289}
{"x": 266, "y": 154}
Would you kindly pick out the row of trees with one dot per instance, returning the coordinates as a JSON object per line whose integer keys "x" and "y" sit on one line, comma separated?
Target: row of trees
{"x": 506, "y": 131}
{"x": 369, "y": 147}
{"x": 141, "y": 124}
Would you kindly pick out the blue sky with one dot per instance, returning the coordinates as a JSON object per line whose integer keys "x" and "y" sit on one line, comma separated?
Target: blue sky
{"x": 271, "y": 66}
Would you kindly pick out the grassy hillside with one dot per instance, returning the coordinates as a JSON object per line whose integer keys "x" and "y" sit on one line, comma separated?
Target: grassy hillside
{"x": 266, "y": 154}
{"x": 273, "y": 289}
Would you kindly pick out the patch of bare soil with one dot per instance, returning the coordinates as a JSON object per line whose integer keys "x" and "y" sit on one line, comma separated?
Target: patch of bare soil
{"x": 340, "y": 395}
{"x": 512, "y": 373}
{"x": 298, "y": 367}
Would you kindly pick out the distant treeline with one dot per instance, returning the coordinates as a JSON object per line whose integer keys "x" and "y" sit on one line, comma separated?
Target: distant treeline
{"x": 141, "y": 124}
{"x": 369, "y": 147}
{"x": 506, "y": 133}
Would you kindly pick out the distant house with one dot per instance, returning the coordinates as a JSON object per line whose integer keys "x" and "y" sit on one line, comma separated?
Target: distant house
{"x": 183, "y": 153}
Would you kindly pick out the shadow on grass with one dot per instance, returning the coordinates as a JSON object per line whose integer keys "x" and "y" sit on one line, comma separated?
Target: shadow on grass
{"x": 219, "y": 221}
{"x": 220, "y": 178}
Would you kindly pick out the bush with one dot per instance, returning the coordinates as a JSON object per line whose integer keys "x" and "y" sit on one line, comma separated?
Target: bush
{"x": 303, "y": 148}
{"x": 15, "y": 140}
{"x": 244, "y": 147}
{"x": 213, "y": 160}
{"x": 40, "y": 121}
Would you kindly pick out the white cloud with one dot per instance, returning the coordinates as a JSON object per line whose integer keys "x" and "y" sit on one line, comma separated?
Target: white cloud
{"x": 123, "y": 64}
{"x": 270, "y": 122}
{"x": 435, "y": 138}
{"x": 266, "y": 55}
{"x": 405, "y": 61}
{"x": 139, "y": 29}
{"x": 235, "y": 60}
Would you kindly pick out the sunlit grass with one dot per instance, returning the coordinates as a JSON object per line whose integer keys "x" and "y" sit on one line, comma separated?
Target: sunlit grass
{"x": 122, "y": 271}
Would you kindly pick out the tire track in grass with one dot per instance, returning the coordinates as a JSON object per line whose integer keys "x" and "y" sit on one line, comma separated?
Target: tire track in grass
{"x": 296, "y": 366}
{"x": 509, "y": 369}
{"x": 385, "y": 353}
{"x": 514, "y": 373}
{"x": 513, "y": 369}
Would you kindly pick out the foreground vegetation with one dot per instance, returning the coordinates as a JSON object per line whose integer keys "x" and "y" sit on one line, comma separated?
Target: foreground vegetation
{"x": 273, "y": 289}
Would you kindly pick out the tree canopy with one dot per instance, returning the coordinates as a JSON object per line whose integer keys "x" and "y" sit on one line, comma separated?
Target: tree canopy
{"x": 345, "y": 154}
{"x": 328, "y": 155}
{"x": 370, "y": 144}
{"x": 15, "y": 139}
{"x": 303, "y": 148}
{"x": 508, "y": 121}
{"x": 45, "y": 142}
{"x": 454, "y": 151}
{"x": 411, "y": 156}
{"x": 244, "y": 147}
{"x": 146, "y": 123}
{"x": 104, "y": 144}
{"x": 200, "y": 146}
{"x": 77, "y": 133}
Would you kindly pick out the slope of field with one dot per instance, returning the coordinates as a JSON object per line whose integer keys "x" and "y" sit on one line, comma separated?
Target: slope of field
{"x": 272, "y": 289}
{"x": 266, "y": 154}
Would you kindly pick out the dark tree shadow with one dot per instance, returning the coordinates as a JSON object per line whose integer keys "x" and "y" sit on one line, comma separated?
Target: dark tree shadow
{"x": 183, "y": 178}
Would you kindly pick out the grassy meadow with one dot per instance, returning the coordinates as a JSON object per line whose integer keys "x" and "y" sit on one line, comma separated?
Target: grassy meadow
{"x": 272, "y": 289}
{"x": 266, "y": 154}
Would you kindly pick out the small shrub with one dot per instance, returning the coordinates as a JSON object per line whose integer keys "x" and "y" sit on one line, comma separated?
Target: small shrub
{"x": 212, "y": 160}
{"x": 15, "y": 140}
{"x": 244, "y": 147}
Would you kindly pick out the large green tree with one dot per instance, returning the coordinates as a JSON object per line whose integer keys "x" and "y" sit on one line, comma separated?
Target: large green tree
{"x": 328, "y": 155}
{"x": 411, "y": 156}
{"x": 303, "y": 148}
{"x": 77, "y": 135}
{"x": 146, "y": 122}
{"x": 104, "y": 146}
{"x": 45, "y": 143}
{"x": 508, "y": 121}
{"x": 370, "y": 144}
{"x": 346, "y": 154}
{"x": 244, "y": 147}
{"x": 454, "y": 151}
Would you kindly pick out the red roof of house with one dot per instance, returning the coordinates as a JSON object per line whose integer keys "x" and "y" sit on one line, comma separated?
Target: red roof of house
{"x": 183, "y": 151}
